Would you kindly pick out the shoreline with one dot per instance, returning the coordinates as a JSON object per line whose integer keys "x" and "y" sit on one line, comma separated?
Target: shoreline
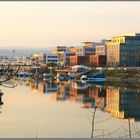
{"x": 128, "y": 78}
{"x": 120, "y": 77}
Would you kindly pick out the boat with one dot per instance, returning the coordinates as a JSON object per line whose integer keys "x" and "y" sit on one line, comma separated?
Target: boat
{"x": 98, "y": 77}
{"x": 80, "y": 68}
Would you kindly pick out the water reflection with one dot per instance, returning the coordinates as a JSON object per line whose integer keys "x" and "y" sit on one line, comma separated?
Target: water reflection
{"x": 120, "y": 103}
{"x": 123, "y": 103}
{"x": 63, "y": 92}
{"x": 41, "y": 87}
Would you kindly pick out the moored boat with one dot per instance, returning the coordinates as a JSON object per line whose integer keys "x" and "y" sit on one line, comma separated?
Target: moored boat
{"x": 98, "y": 77}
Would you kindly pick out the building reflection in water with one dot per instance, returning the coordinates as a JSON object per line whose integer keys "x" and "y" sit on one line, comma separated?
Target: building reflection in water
{"x": 43, "y": 87}
{"x": 63, "y": 92}
{"x": 122, "y": 103}
{"x": 81, "y": 93}
{"x": 98, "y": 93}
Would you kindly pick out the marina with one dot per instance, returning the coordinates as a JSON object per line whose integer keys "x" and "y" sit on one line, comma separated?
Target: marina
{"x": 70, "y": 70}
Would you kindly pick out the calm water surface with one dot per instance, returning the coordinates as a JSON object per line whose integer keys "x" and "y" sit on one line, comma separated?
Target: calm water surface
{"x": 66, "y": 110}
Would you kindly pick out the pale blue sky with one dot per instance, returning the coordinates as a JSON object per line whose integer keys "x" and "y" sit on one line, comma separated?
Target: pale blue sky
{"x": 47, "y": 24}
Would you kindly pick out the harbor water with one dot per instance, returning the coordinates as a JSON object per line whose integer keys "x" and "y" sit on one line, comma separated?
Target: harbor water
{"x": 37, "y": 109}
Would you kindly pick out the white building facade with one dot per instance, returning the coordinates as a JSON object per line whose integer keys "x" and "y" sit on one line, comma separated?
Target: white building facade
{"x": 51, "y": 58}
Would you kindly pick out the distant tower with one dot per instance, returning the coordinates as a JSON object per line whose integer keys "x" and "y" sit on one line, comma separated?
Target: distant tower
{"x": 14, "y": 53}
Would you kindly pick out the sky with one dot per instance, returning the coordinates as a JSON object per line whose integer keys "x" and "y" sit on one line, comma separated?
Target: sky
{"x": 48, "y": 24}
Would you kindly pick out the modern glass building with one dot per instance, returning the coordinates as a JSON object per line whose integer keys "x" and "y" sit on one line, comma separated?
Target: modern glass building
{"x": 124, "y": 50}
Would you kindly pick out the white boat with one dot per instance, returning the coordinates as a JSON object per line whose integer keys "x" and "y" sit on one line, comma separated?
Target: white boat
{"x": 80, "y": 68}
{"x": 98, "y": 77}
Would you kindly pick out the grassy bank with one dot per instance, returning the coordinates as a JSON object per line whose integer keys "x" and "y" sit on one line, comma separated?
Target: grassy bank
{"x": 128, "y": 78}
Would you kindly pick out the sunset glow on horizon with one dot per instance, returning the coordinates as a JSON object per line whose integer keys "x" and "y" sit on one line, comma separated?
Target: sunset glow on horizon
{"x": 48, "y": 24}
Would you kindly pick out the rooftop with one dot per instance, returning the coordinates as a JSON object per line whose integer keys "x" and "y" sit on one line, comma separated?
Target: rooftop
{"x": 132, "y": 34}
{"x": 129, "y": 34}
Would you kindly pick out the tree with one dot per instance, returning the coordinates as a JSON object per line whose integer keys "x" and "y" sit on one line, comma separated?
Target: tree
{"x": 8, "y": 72}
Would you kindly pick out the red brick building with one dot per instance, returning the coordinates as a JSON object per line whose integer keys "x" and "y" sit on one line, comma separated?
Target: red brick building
{"x": 97, "y": 60}
{"x": 79, "y": 60}
{"x": 91, "y": 60}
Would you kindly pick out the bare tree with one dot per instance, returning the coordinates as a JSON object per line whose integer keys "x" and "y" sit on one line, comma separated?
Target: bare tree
{"x": 8, "y": 72}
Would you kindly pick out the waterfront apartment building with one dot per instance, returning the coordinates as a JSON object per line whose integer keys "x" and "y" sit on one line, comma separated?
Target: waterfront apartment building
{"x": 84, "y": 51}
{"x": 58, "y": 49}
{"x": 101, "y": 50}
{"x": 97, "y": 60}
{"x": 91, "y": 60}
{"x": 124, "y": 50}
{"x": 64, "y": 58}
{"x": 79, "y": 60}
{"x": 88, "y": 48}
{"x": 93, "y": 44}
{"x": 38, "y": 59}
{"x": 72, "y": 49}
{"x": 51, "y": 58}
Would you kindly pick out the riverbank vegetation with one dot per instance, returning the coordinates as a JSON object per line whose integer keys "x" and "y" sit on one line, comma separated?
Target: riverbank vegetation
{"x": 127, "y": 78}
